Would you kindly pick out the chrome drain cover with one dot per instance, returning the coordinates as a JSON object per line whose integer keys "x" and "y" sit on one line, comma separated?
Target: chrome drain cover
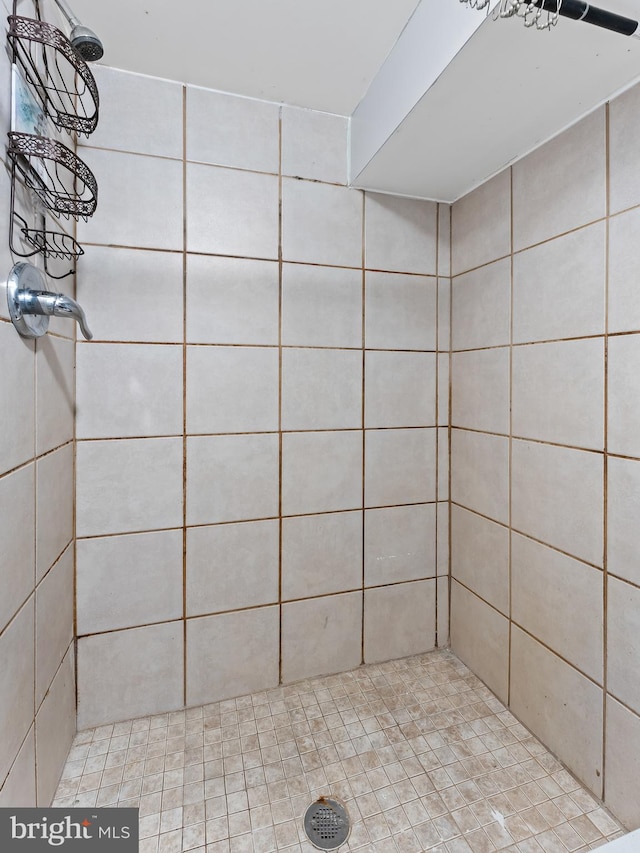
{"x": 326, "y": 823}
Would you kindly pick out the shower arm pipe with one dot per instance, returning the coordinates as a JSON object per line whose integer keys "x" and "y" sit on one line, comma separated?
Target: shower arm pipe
{"x": 66, "y": 11}
{"x": 578, "y": 10}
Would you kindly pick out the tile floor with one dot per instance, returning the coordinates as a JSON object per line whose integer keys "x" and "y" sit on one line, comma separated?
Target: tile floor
{"x": 423, "y": 755}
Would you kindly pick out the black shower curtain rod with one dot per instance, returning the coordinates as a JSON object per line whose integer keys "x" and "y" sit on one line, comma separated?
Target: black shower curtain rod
{"x": 578, "y": 10}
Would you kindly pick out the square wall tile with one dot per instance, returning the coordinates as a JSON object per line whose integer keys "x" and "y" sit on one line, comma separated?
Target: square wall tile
{"x": 557, "y": 497}
{"x": 55, "y": 392}
{"x": 218, "y": 293}
{"x": 55, "y": 729}
{"x": 481, "y": 225}
{"x": 399, "y": 620}
{"x": 128, "y": 485}
{"x": 444, "y": 239}
{"x": 481, "y": 307}
{"x": 621, "y": 760}
{"x": 624, "y": 298}
{"x": 559, "y": 705}
{"x": 153, "y": 278}
{"x": 399, "y": 544}
{"x": 321, "y": 389}
{"x": 480, "y": 390}
{"x": 231, "y": 212}
{"x": 137, "y": 114}
{"x": 561, "y": 185}
{"x": 321, "y": 223}
{"x": 232, "y": 389}
{"x": 229, "y": 130}
{"x": 127, "y": 674}
{"x": 558, "y": 287}
{"x": 314, "y": 145}
{"x": 232, "y": 478}
{"x": 624, "y": 124}
{"x": 623, "y": 390}
{"x": 400, "y": 389}
{"x": 127, "y": 390}
{"x": 54, "y": 507}
{"x": 17, "y": 385}
{"x": 623, "y": 646}
{"x": 19, "y": 788}
{"x": 332, "y": 466}
{"x": 231, "y": 566}
{"x": 480, "y": 473}
{"x": 400, "y": 311}
{"x": 126, "y": 581}
{"x": 559, "y": 601}
{"x": 321, "y": 636}
{"x": 400, "y": 234}
{"x": 17, "y": 555}
{"x": 442, "y": 614}
{"x": 140, "y": 203}
{"x": 219, "y": 667}
{"x": 444, "y": 383}
{"x": 400, "y": 466}
{"x": 558, "y": 392}
{"x": 321, "y": 554}
{"x": 443, "y": 464}
{"x": 480, "y": 557}
{"x": 480, "y": 638}
{"x": 54, "y": 622}
{"x": 321, "y": 306}
{"x": 623, "y": 508}
{"x": 444, "y": 314}
{"x": 16, "y": 684}
{"x": 442, "y": 521}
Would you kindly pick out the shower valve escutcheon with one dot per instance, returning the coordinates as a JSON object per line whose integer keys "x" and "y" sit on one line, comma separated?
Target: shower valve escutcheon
{"x": 30, "y": 306}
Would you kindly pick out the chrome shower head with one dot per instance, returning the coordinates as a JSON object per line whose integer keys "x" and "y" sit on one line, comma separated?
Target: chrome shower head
{"x": 83, "y": 40}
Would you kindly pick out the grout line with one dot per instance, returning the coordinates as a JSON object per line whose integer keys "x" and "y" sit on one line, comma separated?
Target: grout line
{"x": 528, "y": 439}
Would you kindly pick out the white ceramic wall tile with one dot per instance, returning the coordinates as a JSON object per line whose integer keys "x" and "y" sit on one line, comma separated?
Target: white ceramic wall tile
{"x": 481, "y": 312}
{"x": 480, "y": 556}
{"x": 314, "y": 145}
{"x": 623, "y": 391}
{"x": 624, "y": 298}
{"x": 444, "y": 314}
{"x": 16, "y": 684}
{"x": 443, "y": 464}
{"x": 231, "y": 389}
{"x": 232, "y": 478}
{"x": 321, "y": 389}
{"x": 442, "y": 613}
{"x": 623, "y": 508}
{"x": 561, "y": 185}
{"x": 623, "y": 647}
{"x": 624, "y": 174}
{"x": 480, "y": 224}
{"x": 229, "y": 130}
{"x": 321, "y": 223}
{"x": 55, "y": 729}
{"x": 231, "y": 212}
{"x": 400, "y": 234}
{"x": 480, "y": 638}
{"x": 442, "y": 518}
{"x": 125, "y": 581}
{"x": 558, "y": 392}
{"x": 400, "y": 311}
{"x": 321, "y": 306}
{"x": 140, "y": 201}
{"x": 400, "y": 466}
{"x": 55, "y": 392}
{"x": 332, "y": 466}
{"x": 219, "y": 291}
{"x": 622, "y": 756}
{"x": 19, "y": 789}
{"x": 321, "y": 554}
{"x": 54, "y": 622}
{"x": 232, "y": 668}
{"x": 399, "y": 544}
{"x": 559, "y": 601}
{"x": 129, "y": 485}
{"x": 557, "y": 497}
{"x": 321, "y": 636}
{"x": 231, "y": 566}
{"x": 480, "y": 390}
{"x": 444, "y": 239}
{"x": 137, "y": 113}
{"x": 558, "y": 287}
{"x": 443, "y": 389}
{"x": 131, "y": 277}
{"x": 128, "y": 674}
{"x": 400, "y": 389}
{"x": 128, "y": 390}
{"x": 558, "y": 703}
{"x": 54, "y": 507}
{"x": 480, "y": 473}
{"x": 17, "y": 555}
{"x": 18, "y": 386}
{"x": 399, "y": 620}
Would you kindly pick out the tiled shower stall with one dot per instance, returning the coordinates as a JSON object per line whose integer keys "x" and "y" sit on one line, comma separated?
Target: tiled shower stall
{"x": 247, "y": 478}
